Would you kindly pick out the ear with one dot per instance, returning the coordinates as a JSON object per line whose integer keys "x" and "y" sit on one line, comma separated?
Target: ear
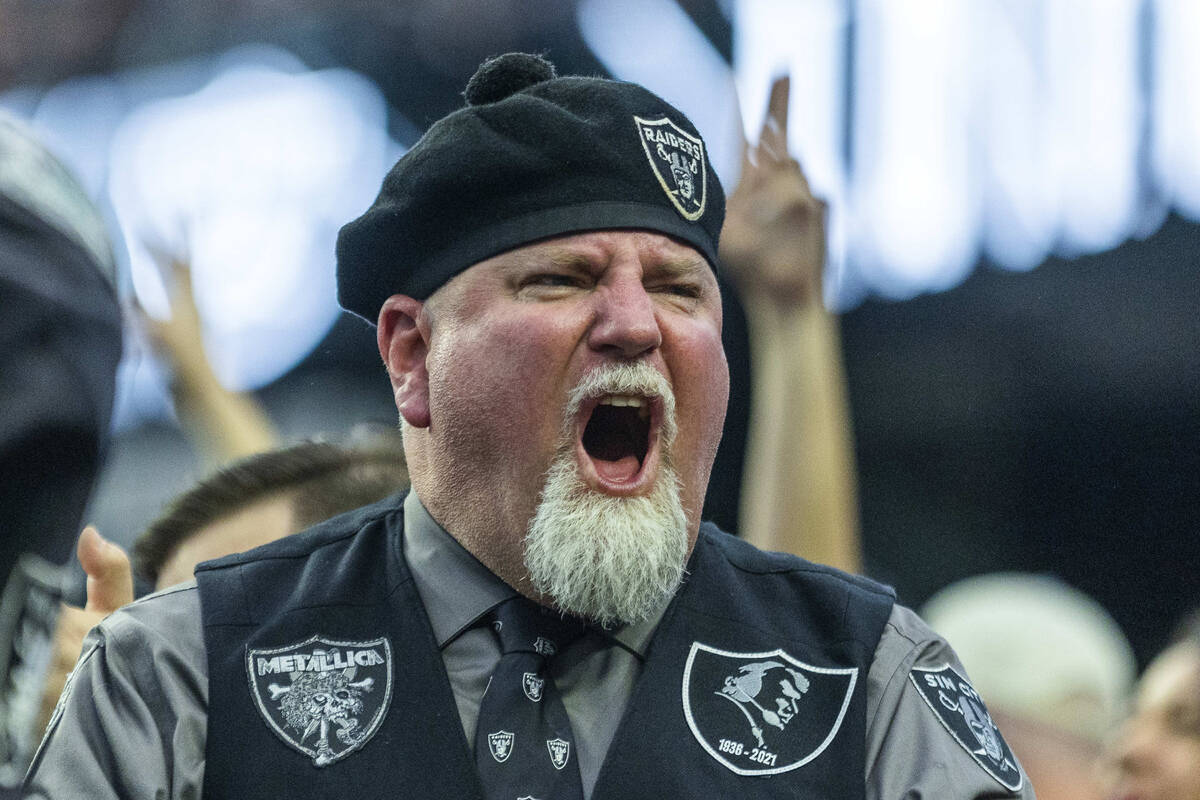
{"x": 403, "y": 334}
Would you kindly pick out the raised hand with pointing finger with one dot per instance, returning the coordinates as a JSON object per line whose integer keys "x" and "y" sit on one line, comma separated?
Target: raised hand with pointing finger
{"x": 773, "y": 242}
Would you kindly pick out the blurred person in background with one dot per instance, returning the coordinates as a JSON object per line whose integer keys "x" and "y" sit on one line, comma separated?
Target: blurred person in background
{"x": 1155, "y": 753}
{"x": 60, "y": 341}
{"x": 1053, "y": 666}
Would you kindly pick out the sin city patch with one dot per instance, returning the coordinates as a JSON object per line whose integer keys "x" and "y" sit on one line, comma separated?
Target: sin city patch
{"x": 961, "y": 711}
{"x": 763, "y": 713}
{"x": 677, "y": 159}
{"x": 324, "y": 698}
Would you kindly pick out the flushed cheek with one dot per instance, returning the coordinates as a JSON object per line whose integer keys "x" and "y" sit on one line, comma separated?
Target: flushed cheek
{"x": 500, "y": 383}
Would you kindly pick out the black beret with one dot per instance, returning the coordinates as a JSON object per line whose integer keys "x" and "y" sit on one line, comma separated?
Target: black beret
{"x": 531, "y": 156}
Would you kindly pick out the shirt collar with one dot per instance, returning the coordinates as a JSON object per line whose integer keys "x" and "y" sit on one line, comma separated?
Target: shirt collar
{"x": 457, "y": 589}
{"x": 454, "y": 586}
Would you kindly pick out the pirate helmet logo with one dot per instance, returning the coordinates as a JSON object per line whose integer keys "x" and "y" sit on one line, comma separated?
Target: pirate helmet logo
{"x": 324, "y": 698}
{"x": 962, "y": 713}
{"x": 763, "y": 713}
{"x": 677, "y": 159}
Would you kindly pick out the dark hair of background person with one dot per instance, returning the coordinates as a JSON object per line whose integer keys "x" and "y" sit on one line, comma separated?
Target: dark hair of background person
{"x": 322, "y": 478}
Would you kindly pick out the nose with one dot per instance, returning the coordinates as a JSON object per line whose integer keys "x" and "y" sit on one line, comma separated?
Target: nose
{"x": 625, "y": 325}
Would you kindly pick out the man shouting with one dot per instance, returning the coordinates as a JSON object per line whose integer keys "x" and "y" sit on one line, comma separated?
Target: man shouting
{"x": 544, "y": 615}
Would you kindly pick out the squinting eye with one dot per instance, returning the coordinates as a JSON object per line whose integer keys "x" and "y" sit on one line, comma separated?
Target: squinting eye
{"x": 552, "y": 279}
{"x": 684, "y": 290}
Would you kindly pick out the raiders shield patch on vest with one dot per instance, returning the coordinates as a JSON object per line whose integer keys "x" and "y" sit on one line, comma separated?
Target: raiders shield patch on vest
{"x": 677, "y": 159}
{"x": 763, "y": 713}
{"x": 324, "y": 698}
{"x": 961, "y": 711}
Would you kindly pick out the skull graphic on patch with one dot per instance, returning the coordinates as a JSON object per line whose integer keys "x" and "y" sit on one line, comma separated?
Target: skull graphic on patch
{"x": 961, "y": 711}
{"x": 763, "y": 713}
{"x": 677, "y": 159}
{"x": 324, "y": 698}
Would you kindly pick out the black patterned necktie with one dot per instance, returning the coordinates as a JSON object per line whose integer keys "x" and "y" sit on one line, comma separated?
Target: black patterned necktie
{"x": 524, "y": 746}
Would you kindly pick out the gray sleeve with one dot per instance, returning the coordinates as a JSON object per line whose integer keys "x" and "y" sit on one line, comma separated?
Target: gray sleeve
{"x": 132, "y": 718}
{"x": 911, "y": 753}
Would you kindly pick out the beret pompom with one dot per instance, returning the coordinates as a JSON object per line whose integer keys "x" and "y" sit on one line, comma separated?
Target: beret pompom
{"x": 530, "y": 157}
{"x": 499, "y": 77}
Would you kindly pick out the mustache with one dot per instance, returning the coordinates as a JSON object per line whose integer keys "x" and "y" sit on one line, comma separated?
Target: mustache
{"x": 628, "y": 378}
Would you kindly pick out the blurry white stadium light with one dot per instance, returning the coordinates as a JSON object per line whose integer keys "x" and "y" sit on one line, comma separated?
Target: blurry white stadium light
{"x": 1176, "y": 102}
{"x": 914, "y": 190}
{"x": 1020, "y": 216}
{"x": 1096, "y": 111}
{"x": 248, "y": 180}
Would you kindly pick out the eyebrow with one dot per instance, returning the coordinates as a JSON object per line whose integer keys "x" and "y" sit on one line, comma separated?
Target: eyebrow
{"x": 565, "y": 259}
{"x": 676, "y": 266}
{"x": 682, "y": 265}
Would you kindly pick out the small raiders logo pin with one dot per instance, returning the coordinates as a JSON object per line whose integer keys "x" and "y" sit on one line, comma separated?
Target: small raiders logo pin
{"x": 500, "y": 743}
{"x": 961, "y": 711}
{"x": 677, "y": 159}
{"x": 560, "y": 752}
{"x": 532, "y": 685}
{"x": 322, "y": 697}
{"x": 763, "y": 713}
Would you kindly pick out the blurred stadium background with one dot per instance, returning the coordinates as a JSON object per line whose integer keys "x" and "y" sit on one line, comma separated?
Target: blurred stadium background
{"x": 1015, "y": 245}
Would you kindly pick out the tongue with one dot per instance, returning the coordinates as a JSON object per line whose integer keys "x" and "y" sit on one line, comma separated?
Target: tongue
{"x": 623, "y": 469}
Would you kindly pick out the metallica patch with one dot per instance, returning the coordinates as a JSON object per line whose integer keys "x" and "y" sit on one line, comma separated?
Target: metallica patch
{"x": 961, "y": 711}
{"x": 763, "y": 713}
{"x": 677, "y": 159}
{"x": 324, "y": 698}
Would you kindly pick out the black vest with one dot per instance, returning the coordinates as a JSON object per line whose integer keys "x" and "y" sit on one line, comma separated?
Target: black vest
{"x": 754, "y": 683}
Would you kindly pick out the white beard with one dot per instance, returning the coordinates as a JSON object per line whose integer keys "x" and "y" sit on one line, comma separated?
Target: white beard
{"x": 611, "y": 560}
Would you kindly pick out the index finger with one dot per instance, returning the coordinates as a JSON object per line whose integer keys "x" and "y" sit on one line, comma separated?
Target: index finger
{"x": 775, "y": 124}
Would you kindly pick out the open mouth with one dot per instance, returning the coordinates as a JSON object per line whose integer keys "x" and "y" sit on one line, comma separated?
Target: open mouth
{"x": 618, "y": 436}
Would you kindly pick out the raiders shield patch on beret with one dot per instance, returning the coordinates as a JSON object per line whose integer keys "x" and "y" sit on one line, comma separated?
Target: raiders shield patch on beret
{"x": 677, "y": 160}
{"x": 961, "y": 711}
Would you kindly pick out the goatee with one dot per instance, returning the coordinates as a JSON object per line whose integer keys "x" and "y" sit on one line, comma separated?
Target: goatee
{"x": 611, "y": 560}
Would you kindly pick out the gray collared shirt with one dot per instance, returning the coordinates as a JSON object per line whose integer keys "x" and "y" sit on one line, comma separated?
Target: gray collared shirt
{"x": 133, "y": 719}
